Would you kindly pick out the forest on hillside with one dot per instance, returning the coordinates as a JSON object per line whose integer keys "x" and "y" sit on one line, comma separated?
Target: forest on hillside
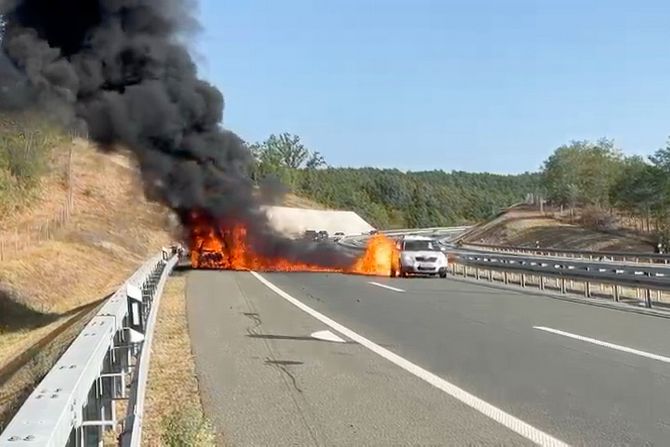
{"x": 389, "y": 198}
{"x": 597, "y": 175}
{"x": 593, "y": 175}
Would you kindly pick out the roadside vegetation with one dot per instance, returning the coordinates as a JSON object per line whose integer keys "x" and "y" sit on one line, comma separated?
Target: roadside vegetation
{"x": 174, "y": 415}
{"x": 606, "y": 187}
{"x": 389, "y": 198}
{"x": 61, "y": 251}
{"x": 589, "y": 183}
{"x": 27, "y": 144}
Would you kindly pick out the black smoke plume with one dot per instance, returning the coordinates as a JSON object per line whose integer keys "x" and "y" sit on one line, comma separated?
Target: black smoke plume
{"x": 120, "y": 69}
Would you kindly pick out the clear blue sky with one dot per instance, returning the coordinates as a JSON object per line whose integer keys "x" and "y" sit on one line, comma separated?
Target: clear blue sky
{"x": 441, "y": 84}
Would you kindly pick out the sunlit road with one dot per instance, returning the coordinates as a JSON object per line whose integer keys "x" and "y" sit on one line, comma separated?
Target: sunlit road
{"x": 423, "y": 362}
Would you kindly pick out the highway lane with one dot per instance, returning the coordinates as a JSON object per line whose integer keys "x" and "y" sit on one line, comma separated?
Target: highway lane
{"x": 483, "y": 339}
{"x": 480, "y": 338}
{"x": 265, "y": 380}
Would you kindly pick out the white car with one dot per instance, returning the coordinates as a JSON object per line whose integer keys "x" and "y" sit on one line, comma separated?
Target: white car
{"x": 421, "y": 256}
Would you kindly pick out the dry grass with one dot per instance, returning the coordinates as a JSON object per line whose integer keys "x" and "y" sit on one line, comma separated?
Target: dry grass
{"x": 524, "y": 228}
{"x": 111, "y": 231}
{"x": 173, "y": 386}
{"x": 294, "y": 201}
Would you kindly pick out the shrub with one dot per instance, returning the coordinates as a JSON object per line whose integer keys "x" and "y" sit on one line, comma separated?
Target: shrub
{"x": 25, "y": 145}
{"x": 597, "y": 219}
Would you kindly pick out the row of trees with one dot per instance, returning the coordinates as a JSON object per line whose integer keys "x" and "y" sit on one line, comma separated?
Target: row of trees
{"x": 598, "y": 174}
{"x": 389, "y": 197}
{"x": 594, "y": 174}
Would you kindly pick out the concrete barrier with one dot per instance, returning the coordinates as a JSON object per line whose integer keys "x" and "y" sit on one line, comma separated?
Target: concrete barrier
{"x": 295, "y": 221}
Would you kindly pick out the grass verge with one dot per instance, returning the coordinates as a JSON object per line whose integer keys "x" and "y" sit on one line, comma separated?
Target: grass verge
{"x": 174, "y": 415}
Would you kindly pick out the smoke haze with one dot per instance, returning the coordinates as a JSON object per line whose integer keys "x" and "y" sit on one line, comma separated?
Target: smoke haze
{"x": 119, "y": 69}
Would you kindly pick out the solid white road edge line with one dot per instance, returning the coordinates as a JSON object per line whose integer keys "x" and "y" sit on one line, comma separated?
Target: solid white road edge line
{"x": 605, "y": 344}
{"x": 395, "y": 289}
{"x": 511, "y": 422}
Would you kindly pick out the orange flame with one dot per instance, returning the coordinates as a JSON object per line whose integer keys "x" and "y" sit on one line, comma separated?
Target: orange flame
{"x": 225, "y": 247}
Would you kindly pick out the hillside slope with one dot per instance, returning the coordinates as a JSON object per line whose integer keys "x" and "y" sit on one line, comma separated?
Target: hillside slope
{"x": 55, "y": 260}
{"x": 524, "y": 228}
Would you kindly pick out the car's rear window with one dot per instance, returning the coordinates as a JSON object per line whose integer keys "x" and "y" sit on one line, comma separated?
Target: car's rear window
{"x": 420, "y": 246}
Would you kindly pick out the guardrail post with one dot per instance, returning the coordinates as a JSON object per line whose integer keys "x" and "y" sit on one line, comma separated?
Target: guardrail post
{"x": 505, "y": 278}
{"x": 523, "y": 280}
{"x": 490, "y": 275}
{"x": 477, "y": 270}
{"x": 542, "y": 282}
{"x": 563, "y": 289}
{"x": 647, "y": 298}
{"x": 617, "y": 293}
{"x": 587, "y": 289}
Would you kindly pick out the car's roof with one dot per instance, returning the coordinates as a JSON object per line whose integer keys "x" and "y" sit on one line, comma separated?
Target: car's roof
{"x": 417, "y": 238}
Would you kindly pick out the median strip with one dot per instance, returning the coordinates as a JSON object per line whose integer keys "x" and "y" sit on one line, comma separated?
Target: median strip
{"x": 605, "y": 344}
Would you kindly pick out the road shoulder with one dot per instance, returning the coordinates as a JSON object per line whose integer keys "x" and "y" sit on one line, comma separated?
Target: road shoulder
{"x": 173, "y": 408}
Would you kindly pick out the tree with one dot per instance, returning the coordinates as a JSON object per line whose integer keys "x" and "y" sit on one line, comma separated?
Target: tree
{"x": 315, "y": 161}
{"x": 582, "y": 172}
{"x": 389, "y": 197}
{"x": 288, "y": 149}
{"x": 661, "y": 158}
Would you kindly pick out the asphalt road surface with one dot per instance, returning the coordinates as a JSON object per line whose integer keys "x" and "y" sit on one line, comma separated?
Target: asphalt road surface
{"x": 421, "y": 362}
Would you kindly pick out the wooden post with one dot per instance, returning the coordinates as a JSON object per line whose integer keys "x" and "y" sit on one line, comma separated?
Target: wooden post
{"x": 70, "y": 186}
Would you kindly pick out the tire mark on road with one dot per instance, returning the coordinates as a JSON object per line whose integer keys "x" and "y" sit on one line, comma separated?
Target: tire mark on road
{"x": 288, "y": 379}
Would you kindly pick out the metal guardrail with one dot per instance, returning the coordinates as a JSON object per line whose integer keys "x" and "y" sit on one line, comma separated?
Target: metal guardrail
{"x": 579, "y": 254}
{"x": 424, "y": 230}
{"x": 358, "y": 241}
{"x": 76, "y": 400}
{"x": 641, "y": 277}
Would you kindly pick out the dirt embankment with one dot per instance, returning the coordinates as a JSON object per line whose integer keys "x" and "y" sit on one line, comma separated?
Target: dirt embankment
{"x": 59, "y": 264}
{"x": 526, "y": 228}
{"x": 86, "y": 229}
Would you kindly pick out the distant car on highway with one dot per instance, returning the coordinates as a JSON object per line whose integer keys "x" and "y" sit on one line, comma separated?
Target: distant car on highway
{"x": 322, "y": 235}
{"x": 310, "y": 235}
{"x": 338, "y": 235}
{"x": 421, "y": 255}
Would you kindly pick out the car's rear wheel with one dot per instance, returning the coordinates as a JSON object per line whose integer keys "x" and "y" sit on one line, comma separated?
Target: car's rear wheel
{"x": 443, "y": 274}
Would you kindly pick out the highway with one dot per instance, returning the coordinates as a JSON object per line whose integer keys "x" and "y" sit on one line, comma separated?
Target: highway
{"x": 421, "y": 362}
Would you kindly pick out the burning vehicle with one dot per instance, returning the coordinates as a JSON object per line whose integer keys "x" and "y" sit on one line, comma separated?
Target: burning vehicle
{"x": 230, "y": 246}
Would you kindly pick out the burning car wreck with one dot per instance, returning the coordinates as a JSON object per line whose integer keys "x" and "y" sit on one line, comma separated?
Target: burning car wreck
{"x": 221, "y": 244}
